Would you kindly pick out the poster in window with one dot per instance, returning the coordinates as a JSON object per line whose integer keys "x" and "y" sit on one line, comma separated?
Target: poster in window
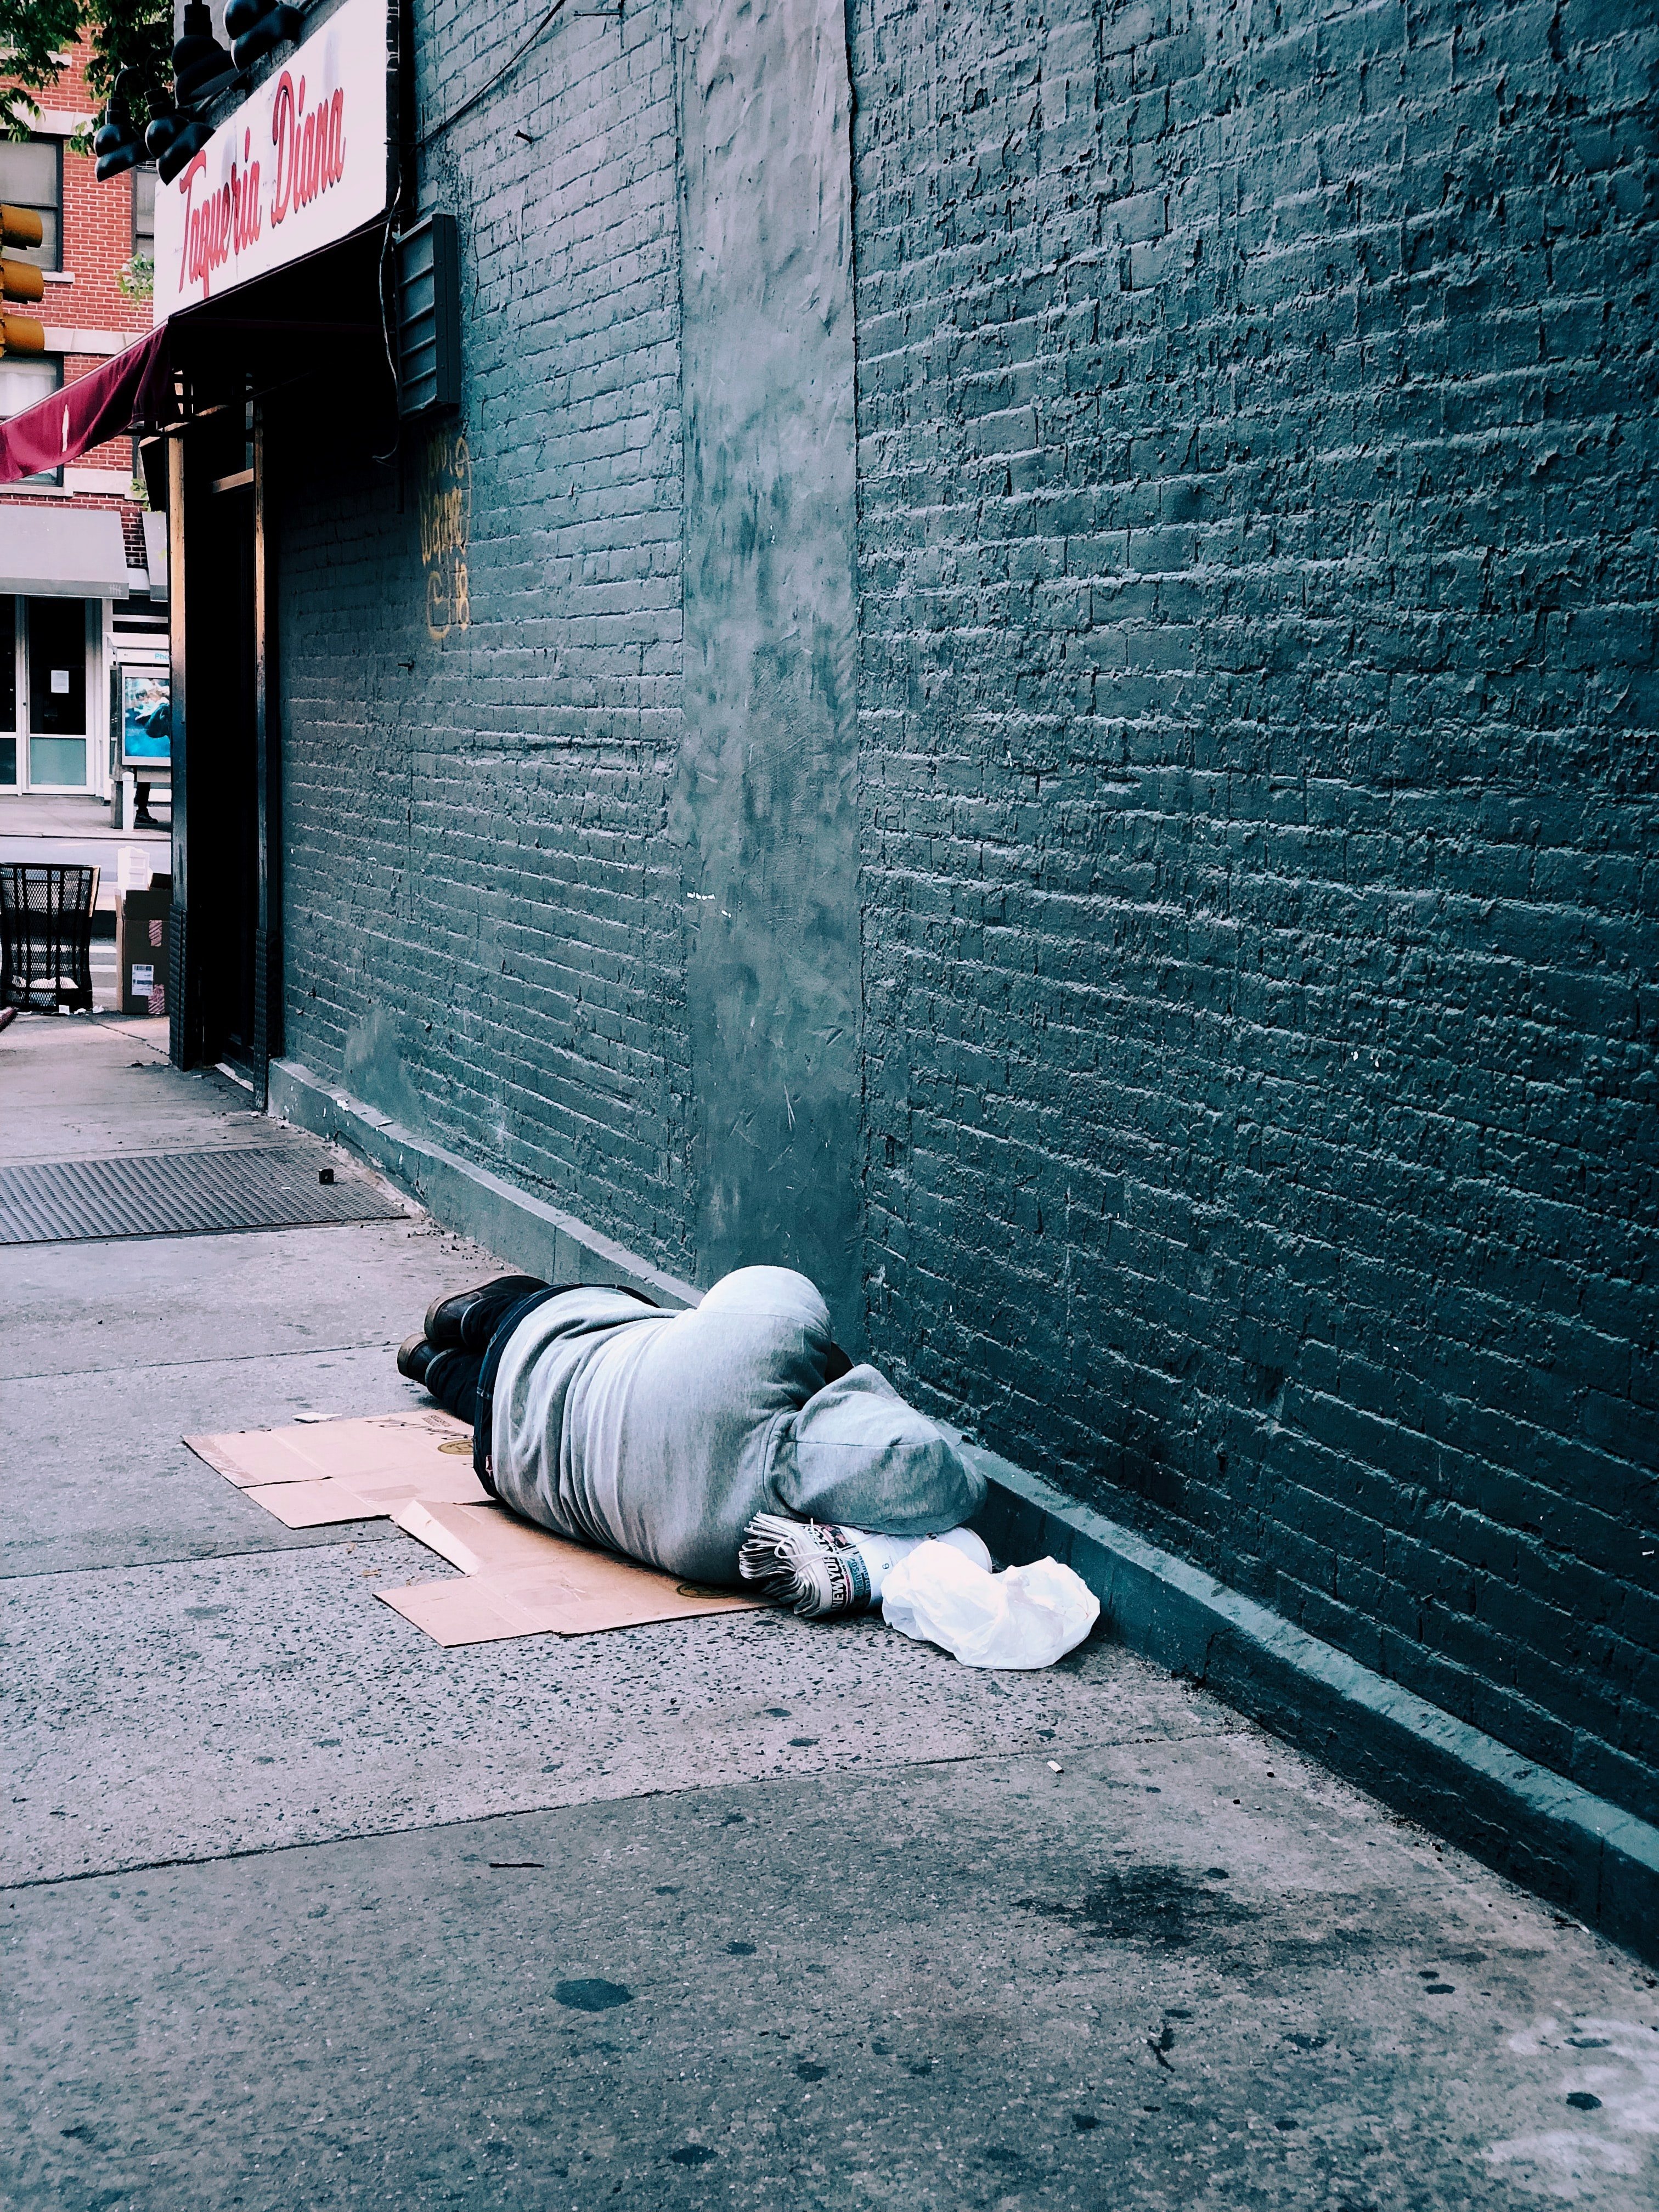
{"x": 146, "y": 718}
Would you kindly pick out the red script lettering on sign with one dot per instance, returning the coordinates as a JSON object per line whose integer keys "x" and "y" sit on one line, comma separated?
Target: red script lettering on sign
{"x": 310, "y": 145}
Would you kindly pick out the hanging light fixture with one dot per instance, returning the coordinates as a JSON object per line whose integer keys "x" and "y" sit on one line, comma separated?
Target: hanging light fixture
{"x": 201, "y": 66}
{"x": 118, "y": 145}
{"x": 173, "y": 140}
{"x": 257, "y": 27}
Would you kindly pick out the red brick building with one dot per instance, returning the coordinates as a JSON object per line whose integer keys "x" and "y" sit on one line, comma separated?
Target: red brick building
{"x": 82, "y": 566}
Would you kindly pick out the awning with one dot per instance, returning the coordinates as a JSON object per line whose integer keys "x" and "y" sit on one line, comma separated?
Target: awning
{"x": 103, "y": 404}
{"x": 62, "y": 552}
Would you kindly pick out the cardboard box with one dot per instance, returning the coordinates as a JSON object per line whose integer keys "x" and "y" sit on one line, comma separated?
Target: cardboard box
{"x": 140, "y": 947}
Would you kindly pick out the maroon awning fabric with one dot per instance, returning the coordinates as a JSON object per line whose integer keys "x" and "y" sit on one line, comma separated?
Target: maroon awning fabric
{"x": 105, "y": 403}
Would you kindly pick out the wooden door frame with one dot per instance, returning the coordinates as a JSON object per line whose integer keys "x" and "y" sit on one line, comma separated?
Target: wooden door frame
{"x": 187, "y": 487}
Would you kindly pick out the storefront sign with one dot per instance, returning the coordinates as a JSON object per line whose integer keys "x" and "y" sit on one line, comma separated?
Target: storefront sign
{"x": 302, "y": 163}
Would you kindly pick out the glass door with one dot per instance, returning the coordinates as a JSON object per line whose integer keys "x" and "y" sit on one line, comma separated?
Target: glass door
{"x": 7, "y": 693}
{"x": 57, "y": 693}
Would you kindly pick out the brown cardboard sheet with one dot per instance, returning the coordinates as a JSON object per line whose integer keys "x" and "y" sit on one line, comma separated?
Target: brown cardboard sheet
{"x": 416, "y": 1468}
{"x": 517, "y": 1580}
{"x": 320, "y": 1472}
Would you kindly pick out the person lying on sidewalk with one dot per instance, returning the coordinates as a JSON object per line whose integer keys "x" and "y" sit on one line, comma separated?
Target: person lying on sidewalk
{"x": 663, "y": 1435}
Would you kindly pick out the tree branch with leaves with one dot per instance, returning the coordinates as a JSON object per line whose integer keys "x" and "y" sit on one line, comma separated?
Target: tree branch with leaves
{"x": 38, "y": 36}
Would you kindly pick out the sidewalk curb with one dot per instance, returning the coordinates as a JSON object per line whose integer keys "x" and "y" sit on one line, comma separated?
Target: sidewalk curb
{"x": 1587, "y": 1856}
{"x": 536, "y": 1236}
{"x": 1578, "y": 1851}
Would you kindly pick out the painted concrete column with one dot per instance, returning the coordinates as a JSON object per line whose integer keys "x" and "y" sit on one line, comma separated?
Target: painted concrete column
{"x": 765, "y": 807}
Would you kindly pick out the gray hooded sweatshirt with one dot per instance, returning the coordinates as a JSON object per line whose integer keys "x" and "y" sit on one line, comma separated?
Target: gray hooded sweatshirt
{"x": 662, "y": 1435}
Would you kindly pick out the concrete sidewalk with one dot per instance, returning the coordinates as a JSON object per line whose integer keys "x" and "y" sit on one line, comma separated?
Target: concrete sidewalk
{"x": 303, "y": 1911}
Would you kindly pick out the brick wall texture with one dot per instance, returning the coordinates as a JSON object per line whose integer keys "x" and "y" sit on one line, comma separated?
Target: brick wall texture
{"x": 1257, "y": 480}
{"x": 476, "y": 822}
{"x": 96, "y": 245}
{"x": 1257, "y": 737}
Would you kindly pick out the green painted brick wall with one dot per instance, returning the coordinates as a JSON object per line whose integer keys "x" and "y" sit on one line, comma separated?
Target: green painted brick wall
{"x": 481, "y": 929}
{"x": 1257, "y": 760}
{"x": 1257, "y": 431}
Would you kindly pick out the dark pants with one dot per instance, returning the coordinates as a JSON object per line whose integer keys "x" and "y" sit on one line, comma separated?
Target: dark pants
{"x": 453, "y": 1380}
{"x": 462, "y": 1377}
{"x": 455, "y": 1370}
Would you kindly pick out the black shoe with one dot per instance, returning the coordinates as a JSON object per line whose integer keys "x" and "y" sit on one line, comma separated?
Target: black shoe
{"x": 413, "y": 1358}
{"x": 467, "y": 1321}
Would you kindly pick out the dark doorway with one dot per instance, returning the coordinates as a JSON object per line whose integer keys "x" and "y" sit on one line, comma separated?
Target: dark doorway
{"x": 7, "y": 691}
{"x": 224, "y": 944}
{"x": 223, "y": 822}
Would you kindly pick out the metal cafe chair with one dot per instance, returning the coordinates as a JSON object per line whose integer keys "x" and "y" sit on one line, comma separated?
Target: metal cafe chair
{"x": 46, "y": 935}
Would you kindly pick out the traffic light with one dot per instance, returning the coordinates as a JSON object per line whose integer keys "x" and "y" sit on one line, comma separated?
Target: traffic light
{"x": 22, "y": 280}
{"x": 257, "y": 27}
{"x": 118, "y": 145}
{"x": 201, "y": 67}
{"x": 22, "y": 334}
{"x": 20, "y": 227}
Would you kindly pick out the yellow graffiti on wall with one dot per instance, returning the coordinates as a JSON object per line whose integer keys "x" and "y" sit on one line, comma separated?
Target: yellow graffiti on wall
{"x": 446, "y": 526}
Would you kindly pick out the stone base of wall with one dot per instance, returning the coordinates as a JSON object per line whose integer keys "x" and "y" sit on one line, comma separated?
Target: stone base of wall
{"x": 1592, "y": 1859}
{"x": 542, "y": 1239}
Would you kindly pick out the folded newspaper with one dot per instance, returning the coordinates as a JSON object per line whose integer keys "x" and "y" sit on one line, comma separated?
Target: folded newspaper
{"x": 821, "y": 1570}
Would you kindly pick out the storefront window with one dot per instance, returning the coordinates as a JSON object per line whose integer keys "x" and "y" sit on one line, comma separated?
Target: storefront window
{"x": 31, "y": 176}
{"x": 57, "y": 692}
{"x": 7, "y": 692}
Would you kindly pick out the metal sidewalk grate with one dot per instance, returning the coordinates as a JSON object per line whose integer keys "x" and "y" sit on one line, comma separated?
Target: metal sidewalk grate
{"x": 180, "y": 1194}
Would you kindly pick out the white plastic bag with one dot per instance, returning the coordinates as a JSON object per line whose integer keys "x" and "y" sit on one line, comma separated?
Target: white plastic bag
{"x": 1024, "y": 1617}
